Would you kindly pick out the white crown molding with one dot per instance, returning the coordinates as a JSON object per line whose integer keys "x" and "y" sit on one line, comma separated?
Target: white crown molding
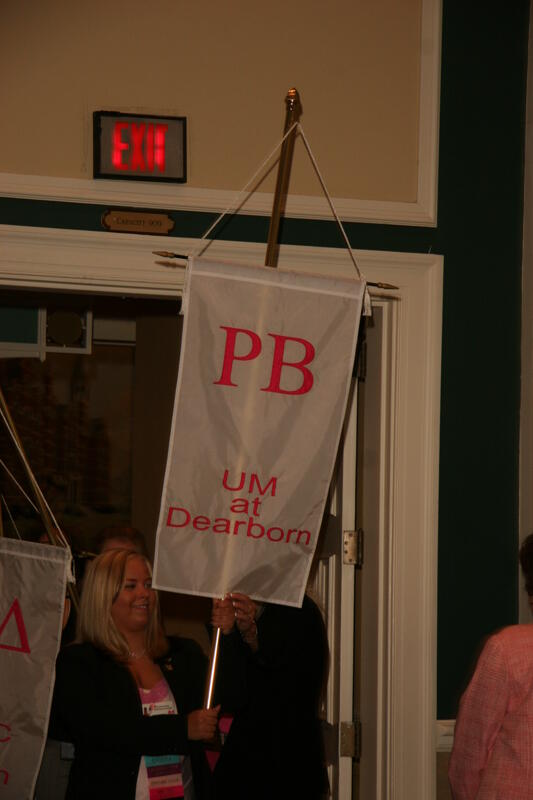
{"x": 422, "y": 212}
{"x": 55, "y": 258}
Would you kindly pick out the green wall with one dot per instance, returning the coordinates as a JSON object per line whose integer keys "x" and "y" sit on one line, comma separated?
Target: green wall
{"x": 479, "y": 233}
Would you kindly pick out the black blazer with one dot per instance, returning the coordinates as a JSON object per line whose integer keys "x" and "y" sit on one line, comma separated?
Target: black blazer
{"x": 96, "y": 705}
{"x": 274, "y": 748}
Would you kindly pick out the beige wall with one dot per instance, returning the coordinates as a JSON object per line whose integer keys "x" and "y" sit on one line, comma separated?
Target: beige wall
{"x": 226, "y": 67}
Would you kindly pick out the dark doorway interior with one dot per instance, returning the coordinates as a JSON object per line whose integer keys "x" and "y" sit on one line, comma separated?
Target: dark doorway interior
{"x": 80, "y": 415}
{"x": 96, "y": 426}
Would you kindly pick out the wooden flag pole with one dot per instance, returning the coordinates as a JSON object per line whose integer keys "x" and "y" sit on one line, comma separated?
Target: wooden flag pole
{"x": 292, "y": 115}
{"x": 212, "y": 671}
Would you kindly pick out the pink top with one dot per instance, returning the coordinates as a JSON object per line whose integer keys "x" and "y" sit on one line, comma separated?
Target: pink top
{"x": 492, "y": 756}
{"x": 162, "y": 777}
{"x": 158, "y": 700}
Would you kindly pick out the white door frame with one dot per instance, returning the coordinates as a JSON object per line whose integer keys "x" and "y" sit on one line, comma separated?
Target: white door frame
{"x": 332, "y": 585}
{"x": 99, "y": 262}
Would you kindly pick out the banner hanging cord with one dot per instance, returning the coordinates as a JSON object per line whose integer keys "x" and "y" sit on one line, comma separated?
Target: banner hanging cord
{"x": 328, "y": 197}
{"x": 236, "y": 202}
{"x": 17, "y": 484}
{"x": 11, "y": 517}
{"x": 60, "y": 534}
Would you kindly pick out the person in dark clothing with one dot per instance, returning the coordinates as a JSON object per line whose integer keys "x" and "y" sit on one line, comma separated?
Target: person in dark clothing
{"x": 120, "y": 537}
{"x": 274, "y": 747}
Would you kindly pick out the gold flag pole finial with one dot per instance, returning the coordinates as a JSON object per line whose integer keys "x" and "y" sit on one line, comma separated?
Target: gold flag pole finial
{"x": 292, "y": 115}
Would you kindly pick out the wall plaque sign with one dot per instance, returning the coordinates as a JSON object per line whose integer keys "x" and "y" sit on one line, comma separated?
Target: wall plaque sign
{"x": 137, "y": 222}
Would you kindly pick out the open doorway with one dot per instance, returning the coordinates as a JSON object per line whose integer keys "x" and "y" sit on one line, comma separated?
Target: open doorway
{"x": 94, "y": 419}
{"x": 66, "y": 261}
{"x": 76, "y": 406}
{"x": 95, "y": 425}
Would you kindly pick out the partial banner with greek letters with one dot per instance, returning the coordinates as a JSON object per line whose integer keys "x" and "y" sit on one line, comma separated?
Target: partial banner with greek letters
{"x": 33, "y": 580}
{"x": 265, "y": 369}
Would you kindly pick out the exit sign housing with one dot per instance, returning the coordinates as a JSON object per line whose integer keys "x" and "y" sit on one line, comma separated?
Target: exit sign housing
{"x": 139, "y": 148}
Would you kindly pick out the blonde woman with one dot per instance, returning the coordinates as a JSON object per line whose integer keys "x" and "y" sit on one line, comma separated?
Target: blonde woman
{"x": 129, "y": 699}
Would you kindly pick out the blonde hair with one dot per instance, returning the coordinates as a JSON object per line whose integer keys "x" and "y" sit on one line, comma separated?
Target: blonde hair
{"x": 102, "y": 584}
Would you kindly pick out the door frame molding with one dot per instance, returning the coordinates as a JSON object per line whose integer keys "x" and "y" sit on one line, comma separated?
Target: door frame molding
{"x": 99, "y": 262}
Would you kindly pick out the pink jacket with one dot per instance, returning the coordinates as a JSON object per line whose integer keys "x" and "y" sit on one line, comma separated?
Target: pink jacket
{"x": 492, "y": 756}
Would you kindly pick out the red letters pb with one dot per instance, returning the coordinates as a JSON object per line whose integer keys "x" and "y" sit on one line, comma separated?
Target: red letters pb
{"x": 252, "y": 349}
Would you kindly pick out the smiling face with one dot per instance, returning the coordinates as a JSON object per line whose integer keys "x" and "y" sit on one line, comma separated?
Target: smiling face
{"x": 134, "y": 604}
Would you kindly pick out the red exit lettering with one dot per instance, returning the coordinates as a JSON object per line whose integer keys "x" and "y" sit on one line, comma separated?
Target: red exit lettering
{"x": 139, "y": 147}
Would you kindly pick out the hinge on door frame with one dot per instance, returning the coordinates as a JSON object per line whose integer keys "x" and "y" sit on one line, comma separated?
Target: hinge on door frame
{"x": 350, "y": 739}
{"x": 353, "y": 547}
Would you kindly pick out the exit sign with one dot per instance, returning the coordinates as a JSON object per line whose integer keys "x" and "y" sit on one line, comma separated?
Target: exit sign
{"x": 134, "y": 147}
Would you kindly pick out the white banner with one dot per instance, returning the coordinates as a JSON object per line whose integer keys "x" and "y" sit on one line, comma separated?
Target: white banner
{"x": 32, "y": 594}
{"x": 265, "y": 368}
